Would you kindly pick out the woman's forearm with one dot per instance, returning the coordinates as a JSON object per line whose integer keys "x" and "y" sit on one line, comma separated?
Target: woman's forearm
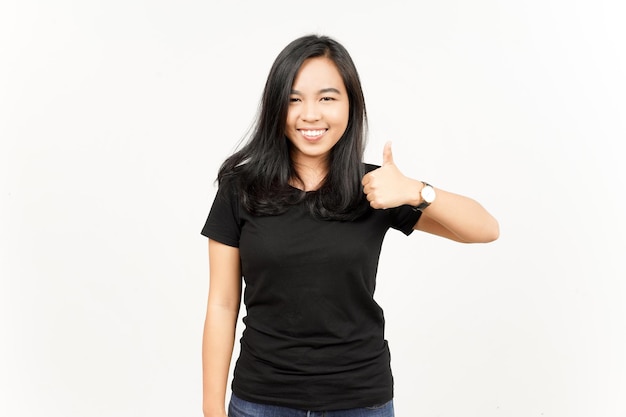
{"x": 219, "y": 326}
{"x": 217, "y": 349}
{"x": 463, "y": 217}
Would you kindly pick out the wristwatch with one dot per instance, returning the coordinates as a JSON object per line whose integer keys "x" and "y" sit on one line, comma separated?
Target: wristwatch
{"x": 428, "y": 196}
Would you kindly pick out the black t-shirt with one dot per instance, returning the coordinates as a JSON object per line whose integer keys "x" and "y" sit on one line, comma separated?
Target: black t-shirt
{"x": 314, "y": 336}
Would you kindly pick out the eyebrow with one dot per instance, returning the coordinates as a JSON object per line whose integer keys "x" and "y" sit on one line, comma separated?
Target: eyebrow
{"x": 322, "y": 91}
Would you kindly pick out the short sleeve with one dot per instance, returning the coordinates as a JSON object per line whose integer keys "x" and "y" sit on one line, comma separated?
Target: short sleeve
{"x": 223, "y": 223}
{"x": 403, "y": 218}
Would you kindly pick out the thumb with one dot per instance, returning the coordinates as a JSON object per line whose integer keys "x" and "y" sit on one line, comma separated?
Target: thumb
{"x": 387, "y": 155}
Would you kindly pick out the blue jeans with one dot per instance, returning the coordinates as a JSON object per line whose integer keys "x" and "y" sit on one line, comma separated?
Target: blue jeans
{"x": 242, "y": 408}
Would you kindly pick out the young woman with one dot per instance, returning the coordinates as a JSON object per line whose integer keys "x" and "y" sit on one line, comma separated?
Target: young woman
{"x": 302, "y": 218}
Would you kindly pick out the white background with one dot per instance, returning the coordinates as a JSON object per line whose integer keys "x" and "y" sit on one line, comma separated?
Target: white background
{"x": 115, "y": 116}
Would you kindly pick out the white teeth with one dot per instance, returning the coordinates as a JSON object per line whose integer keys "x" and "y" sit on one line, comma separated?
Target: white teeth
{"x": 312, "y": 132}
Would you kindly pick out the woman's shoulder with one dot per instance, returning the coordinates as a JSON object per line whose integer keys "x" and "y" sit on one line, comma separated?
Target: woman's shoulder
{"x": 229, "y": 186}
{"x": 232, "y": 178}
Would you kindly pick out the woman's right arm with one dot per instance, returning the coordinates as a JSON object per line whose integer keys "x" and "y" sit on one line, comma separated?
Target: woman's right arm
{"x": 219, "y": 326}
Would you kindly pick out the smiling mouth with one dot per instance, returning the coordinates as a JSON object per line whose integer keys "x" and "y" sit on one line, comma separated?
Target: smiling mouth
{"x": 312, "y": 134}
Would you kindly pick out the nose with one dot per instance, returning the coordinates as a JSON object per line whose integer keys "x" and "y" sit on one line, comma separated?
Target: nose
{"x": 310, "y": 111}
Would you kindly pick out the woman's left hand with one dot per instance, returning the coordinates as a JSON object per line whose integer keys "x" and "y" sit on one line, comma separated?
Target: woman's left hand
{"x": 386, "y": 187}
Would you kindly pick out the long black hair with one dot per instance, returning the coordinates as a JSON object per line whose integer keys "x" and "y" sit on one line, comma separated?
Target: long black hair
{"x": 262, "y": 168}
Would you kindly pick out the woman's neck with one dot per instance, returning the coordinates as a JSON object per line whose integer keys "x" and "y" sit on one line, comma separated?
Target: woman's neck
{"x": 310, "y": 176}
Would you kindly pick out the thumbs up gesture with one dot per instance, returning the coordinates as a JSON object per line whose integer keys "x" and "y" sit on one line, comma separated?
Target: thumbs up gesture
{"x": 386, "y": 187}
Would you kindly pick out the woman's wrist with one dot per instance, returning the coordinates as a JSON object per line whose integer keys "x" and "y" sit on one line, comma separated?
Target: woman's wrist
{"x": 215, "y": 413}
{"x": 414, "y": 194}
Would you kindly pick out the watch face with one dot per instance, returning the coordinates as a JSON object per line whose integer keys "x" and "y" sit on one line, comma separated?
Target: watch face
{"x": 428, "y": 194}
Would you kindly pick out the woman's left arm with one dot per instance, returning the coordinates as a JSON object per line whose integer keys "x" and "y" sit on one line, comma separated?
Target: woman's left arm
{"x": 450, "y": 215}
{"x": 456, "y": 217}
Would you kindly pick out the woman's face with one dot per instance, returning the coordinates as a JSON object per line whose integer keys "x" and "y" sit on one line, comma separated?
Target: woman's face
{"x": 318, "y": 111}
